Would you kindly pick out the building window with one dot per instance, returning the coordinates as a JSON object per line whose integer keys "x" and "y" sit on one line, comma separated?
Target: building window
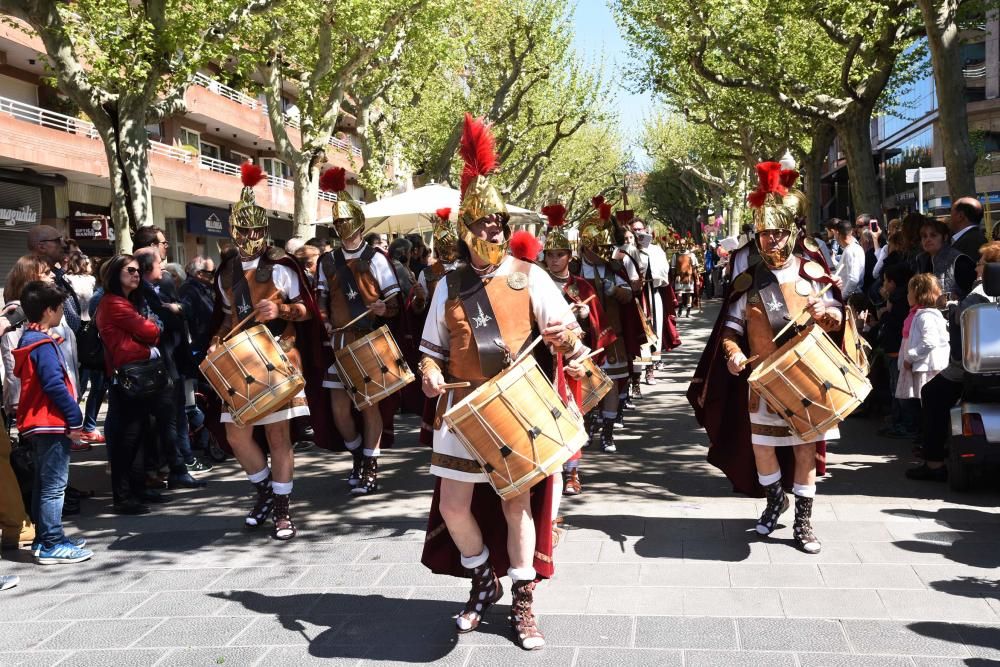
{"x": 190, "y": 138}
{"x": 236, "y": 157}
{"x": 275, "y": 167}
{"x": 210, "y": 150}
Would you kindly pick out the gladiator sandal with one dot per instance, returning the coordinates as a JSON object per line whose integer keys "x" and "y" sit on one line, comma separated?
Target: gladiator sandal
{"x": 557, "y": 532}
{"x": 802, "y": 530}
{"x": 284, "y": 529}
{"x": 369, "y": 477}
{"x": 608, "y": 437}
{"x": 636, "y": 388}
{"x": 594, "y": 424}
{"x": 572, "y": 486}
{"x": 486, "y": 590}
{"x": 522, "y": 618}
{"x": 650, "y": 375}
{"x": 359, "y": 461}
{"x": 777, "y": 504}
{"x": 620, "y": 417}
{"x": 262, "y": 508}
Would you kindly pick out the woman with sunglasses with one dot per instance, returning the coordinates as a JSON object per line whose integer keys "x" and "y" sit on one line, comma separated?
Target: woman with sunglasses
{"x": 128, "y": 337}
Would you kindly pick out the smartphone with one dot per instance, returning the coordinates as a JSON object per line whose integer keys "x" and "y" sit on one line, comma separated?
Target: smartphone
{"x": 874, "y": 225}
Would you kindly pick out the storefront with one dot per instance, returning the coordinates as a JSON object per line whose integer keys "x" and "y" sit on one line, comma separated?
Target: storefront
{"x": 90, "y": 226}
{"x": 205, "y": 226}
{"x": 20, "y": 209}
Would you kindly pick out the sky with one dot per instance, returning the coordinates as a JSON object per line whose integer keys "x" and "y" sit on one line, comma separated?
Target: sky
{"x": 597, "y": 34}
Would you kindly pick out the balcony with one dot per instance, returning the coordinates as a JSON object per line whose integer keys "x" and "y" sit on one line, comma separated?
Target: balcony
{"x": 50, "y": 142}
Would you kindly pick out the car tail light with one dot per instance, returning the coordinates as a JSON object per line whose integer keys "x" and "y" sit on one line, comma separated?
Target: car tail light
{"x": 972, "y": 424}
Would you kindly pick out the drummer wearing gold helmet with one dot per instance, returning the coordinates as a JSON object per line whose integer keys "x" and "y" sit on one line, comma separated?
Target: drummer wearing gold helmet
{"x": 764, "y": 298}
{"x": 445, "y": 238}
{"x": 354, "y": 279}
{"x": 478, "y": 320}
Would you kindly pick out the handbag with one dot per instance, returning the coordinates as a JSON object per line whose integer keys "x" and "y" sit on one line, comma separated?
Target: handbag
{"x": 90, "y": 349}
{"x": 142, "y": 380}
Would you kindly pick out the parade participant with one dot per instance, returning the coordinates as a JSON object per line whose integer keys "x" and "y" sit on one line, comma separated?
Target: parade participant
{"x": 614, "y": 292}
{"x": 763, "y": 299}
{"x": 659, "y": 294}
{"x": 267, "y": 282}
{"x": 446, "y": 251}
{"x": 477, "y": 322}
{"x": 582, "y": 300}
{"x": 685, "y": 278}
{"x": 628, "y": 255}
{"x": 354, "y": 279}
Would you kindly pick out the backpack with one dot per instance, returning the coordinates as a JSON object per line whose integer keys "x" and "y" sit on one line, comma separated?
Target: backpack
{"x": 90, "y": 349}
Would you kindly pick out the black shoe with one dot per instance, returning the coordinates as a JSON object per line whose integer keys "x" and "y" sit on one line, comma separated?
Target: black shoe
{"x": 184, "y": 480}
{"x": 130, "y": 506}
{"x": 925, "y": 473}
{"x": 357, "y": 467}
{"x": 153, "y": 497}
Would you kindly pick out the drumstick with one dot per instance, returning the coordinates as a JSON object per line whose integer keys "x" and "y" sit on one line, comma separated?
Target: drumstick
{"x": 456, "y": 385}
{"x": 249, "y": 317}
{"x": 592, "y": 354}
{"x": 527, "y": 351}
{"x": 359, "y": 317}
{"x": 752, "y": 359}
{"x": 587, "y": 300}
{"x": 796, "y": 318}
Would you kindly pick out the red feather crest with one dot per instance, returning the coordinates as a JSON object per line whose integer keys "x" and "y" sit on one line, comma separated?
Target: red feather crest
{"x": 251, "y": 174}
{"x": 604, "y": 210}
{"x": 597, "y": 201}
{"x": 443, "y": 213}
{"x": 333, "y": 179}
{"x": 788, "y": 177}
{"x": 625, "y": 217}
{"x": 768, "y": 182}
{"x": 478, "y": 150}
{"x": 556, "y": 213}
{"x": 524, "y": 246}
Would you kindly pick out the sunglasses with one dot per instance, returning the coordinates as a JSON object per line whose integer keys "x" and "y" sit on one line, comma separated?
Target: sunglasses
{"x": 132, "y": 271}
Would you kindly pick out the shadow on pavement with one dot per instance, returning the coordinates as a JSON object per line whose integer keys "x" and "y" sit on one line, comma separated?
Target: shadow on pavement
{"x": 972, "y": 538}
{"x": 983, "y": 636}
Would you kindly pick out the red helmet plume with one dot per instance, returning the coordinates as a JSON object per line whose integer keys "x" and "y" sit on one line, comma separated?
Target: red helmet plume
{"x": 524, "y": 245}
{"x": 478, "y": 150}
{"x": 333, "y": 179}
{"x": 768, "y": 182}
{"x": 443, "y": 213}
{"x": 251, "y": 174}
{"x": 556, "y": 214}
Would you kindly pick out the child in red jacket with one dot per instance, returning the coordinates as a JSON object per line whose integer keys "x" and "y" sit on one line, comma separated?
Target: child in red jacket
{"x": 48, "y": 419}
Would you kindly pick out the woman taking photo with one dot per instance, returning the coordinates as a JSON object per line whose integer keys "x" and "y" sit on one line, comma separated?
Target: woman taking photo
{"x": 128, "y": 338}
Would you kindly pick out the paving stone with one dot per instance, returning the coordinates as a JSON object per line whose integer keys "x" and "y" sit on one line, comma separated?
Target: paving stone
{"x": 511, "y": 655}
{"x": 844, "y": 660}
{"x": 258, "y": 578}
{"x": 983, "y": 641}
{"x": 320, "y": 655}
{"x": 100, "y": 582}
{"x": 214, "y": 656}
{"x": 767, "y": 634}
{"x": 178, "y": 603}
{"x": 870, "y": 576}
{"x": 730, "y": 551}
{"x": 775, "y": 576}
{"x": 97, "y": 605}
{"x": 32, "y": 658}
{"x": 640, "y": 549}
{"x": 21, "y": 605}
{"x": 267, "y": 602}
{"x": 194, "y": 632}
{"x": 347, "y": 575}
{"x": 577, "y": 552}
{"x": 406, "y": 574}
{"x": 833, "y": 552}
{"x": 389, "y": 552}
{"x": 856, "y": 531}
{"x": 390, "y": 656}
{"x": 176, "y": 580}
{"x": 605, "y": 574}
{"x": 127, "y": 657}
{"x": 832, "y": 603}
{"x": 685, "y": 574}
{"x": 731, "y": 602}
{"x": 929, "y": 638}
{"x": 685, "y": 633}
{"x": 631, "y": 657}
{"x": 936, "y": 606}
{"x": 738, "y": 659}
{"x": 579, "y": 630}
{"x": 957, "y": 576}
{"x": 122, "y": 633}
{"x": 552, "y": 598}
{"x": 658, "y": 600}
{"x": 897, "y": 552}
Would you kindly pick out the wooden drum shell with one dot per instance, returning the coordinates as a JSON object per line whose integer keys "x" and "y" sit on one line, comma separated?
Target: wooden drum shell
{"x": 372, "y": 367}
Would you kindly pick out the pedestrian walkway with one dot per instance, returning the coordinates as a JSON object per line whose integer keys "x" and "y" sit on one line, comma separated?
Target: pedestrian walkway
{"x": 659, "y": 566}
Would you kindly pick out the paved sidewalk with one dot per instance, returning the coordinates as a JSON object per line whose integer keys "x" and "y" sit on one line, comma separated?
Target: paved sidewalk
{"x": 660, "y": 566}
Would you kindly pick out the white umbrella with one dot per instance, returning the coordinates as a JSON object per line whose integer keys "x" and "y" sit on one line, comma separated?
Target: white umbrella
{"x": 410, "y": 211}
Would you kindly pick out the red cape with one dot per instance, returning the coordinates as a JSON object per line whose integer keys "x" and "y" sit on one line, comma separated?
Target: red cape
{"x": 316, "y": 358}
{"x": 671, "y": 336}
{"x": 721, "y": 405}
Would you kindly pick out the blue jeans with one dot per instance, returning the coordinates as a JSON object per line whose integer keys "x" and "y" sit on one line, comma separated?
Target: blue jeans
{"x": 181, "y": 426}
{"x": 51, "y": 476}
{"x": 98, "y": 390}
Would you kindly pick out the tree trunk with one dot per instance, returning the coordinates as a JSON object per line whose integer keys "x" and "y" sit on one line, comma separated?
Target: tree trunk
{"x": 440, "y": 169}
{"x": 305, "y": 183}
{"x": 946, "y": 57}
{"x": 812, "y": 172}
{"x": 854, "y": 132}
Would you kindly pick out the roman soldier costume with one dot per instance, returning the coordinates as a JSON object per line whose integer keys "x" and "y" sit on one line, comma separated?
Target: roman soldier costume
{"x": 477, "y": 322}
{"x": 255, "y": 274}
{"x": 762, "y": 300}
{"x": 350, "y": 282}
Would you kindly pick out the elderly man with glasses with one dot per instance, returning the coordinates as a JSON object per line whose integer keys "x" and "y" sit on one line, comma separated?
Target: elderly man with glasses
{"x": 49, "y": 245}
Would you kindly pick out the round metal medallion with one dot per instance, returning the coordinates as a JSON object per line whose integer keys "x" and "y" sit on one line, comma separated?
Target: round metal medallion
{"x": 813, "y": 270}
{"x": 810, "y": 244}
{"x": 803, "y": 287}
{"x": 517, "y": 280}
{"x": 572, "y": 291}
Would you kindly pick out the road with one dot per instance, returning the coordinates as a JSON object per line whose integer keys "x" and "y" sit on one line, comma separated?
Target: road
{"x": 660, "y": 566}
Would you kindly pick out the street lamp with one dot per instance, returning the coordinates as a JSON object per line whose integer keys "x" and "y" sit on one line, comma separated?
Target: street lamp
{"x": 787, "y": 161}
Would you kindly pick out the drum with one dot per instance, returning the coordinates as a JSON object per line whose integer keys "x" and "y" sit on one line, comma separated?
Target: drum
{"x": 856, "y": 347}
{"x": 652, "y": 340}
{"x": 252, "y": 375}
{"x": 372, "y": 367}
{"x": 518, "y": 428}
{"x": 811, "y": 383}
{"x": 593, "y": 386}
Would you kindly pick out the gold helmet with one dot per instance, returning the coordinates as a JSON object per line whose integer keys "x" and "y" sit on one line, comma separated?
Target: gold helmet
{"x": 444, "y": 235}
{"x": 348, "y": 217}
{"x": 596, "y": 233}
{"x": 775, "y": 208}
{"x": 247, "y": 221}
{"x": 555, "y": 231}
{"x": 480, "y": 199}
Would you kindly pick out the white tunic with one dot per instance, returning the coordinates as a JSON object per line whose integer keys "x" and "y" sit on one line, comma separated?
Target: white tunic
{"x": 616, "y": 371}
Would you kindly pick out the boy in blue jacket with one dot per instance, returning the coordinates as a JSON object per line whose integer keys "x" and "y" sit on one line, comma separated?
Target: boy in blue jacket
{"x": 48, "y": 419}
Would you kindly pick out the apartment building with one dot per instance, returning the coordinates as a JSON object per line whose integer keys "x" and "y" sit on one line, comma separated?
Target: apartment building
{"x": 53, "y": 168}
{"x": 907, "y": 135}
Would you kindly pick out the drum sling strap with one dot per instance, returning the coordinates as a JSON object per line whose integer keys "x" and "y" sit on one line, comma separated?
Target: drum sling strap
{"x": 349, "y": 285}
{"x": 243, "y": 299}
{"x": 470, "y": 290}
{"x": 768, "y": 293}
